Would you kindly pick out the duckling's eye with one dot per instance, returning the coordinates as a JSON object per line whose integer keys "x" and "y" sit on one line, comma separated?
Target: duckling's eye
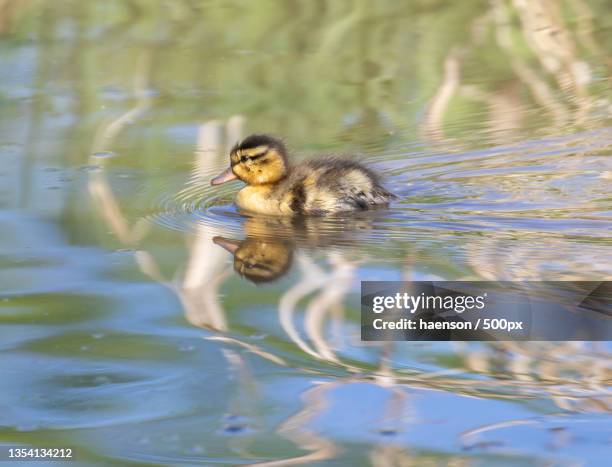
{"x": 243, "y": 159}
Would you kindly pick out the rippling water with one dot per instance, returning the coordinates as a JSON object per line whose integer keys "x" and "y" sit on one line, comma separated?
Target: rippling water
{"x": 502, "y": 206}
{"x": 146, "y": 321}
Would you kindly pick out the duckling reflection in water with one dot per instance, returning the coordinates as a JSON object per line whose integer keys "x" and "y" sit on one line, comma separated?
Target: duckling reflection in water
{"x": 318, "y": 187}
{"x": 267, "y": 251}
{"x": 258, "y": 260}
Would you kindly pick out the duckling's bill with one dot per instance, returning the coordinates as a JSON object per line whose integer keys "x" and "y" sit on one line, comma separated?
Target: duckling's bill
{"x": 226, "y": 176}
{"x": 229, "y": 244}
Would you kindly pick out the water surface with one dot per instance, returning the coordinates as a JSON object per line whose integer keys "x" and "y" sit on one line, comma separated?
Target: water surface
{"x": 129, "y": 332}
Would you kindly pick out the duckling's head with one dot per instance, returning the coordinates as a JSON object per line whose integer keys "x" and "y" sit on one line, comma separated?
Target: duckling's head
{"x": 256, "y": 160}
{"x": 258, "y": 260}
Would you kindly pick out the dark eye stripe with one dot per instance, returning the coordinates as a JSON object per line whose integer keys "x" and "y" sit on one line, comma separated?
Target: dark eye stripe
{"x": 245, "y": 158}
{"x": 261, "y": 267}
{"x": 258, "y": 156}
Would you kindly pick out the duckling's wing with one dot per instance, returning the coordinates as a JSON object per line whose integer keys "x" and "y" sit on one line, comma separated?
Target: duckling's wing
{"x": 368, "y": 197}
{"x": 353, "y": 186}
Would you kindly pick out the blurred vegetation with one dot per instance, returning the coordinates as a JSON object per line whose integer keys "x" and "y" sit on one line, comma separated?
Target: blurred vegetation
{"x": 323, "y": 74}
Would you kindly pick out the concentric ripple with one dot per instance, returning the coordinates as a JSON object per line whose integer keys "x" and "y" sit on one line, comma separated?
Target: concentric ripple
{"x": 198, "y": 203}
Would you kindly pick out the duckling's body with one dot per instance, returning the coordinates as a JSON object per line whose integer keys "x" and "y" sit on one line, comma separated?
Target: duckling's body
{"x": 317, "y": 187}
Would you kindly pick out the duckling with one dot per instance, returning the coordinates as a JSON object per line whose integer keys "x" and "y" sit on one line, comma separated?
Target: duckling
{"x": 258, "y": 260}
{"x": 317, "y": 187}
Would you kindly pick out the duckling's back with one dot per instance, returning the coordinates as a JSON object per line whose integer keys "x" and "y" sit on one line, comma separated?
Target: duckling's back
{"x": 331, "y": 185}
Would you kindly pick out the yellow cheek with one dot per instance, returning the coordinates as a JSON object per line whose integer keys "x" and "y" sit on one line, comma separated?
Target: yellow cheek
{"x": 241, "y": 171}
